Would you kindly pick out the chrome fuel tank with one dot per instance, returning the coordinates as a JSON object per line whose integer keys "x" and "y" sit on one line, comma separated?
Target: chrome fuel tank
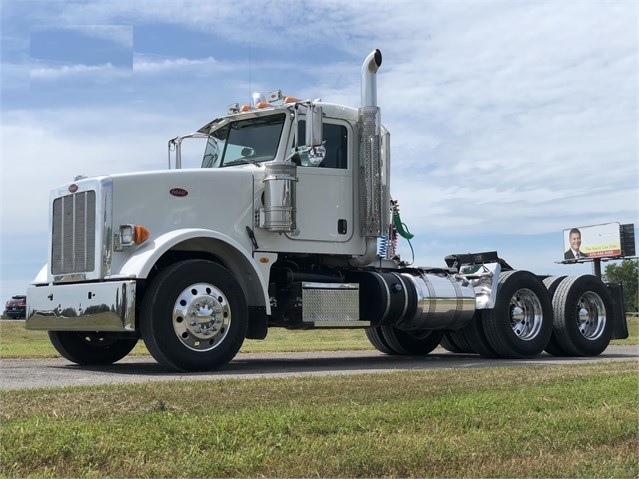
{"x": 442, "y": 301}
{"x": 415, "y": 299}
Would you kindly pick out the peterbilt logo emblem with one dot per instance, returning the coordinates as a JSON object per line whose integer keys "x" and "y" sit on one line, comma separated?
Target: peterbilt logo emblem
{"x": 178, "y": 192}
{"x": 73, "y": 188}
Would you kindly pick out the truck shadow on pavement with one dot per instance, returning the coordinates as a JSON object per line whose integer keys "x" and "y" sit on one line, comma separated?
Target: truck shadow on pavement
{"x": 291, "y": 364}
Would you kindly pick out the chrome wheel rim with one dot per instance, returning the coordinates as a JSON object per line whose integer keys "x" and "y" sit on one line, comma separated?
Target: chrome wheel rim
{"x": 526, "y": 315}
{"x": 591, "y": 315}
{"x": 201, "y": 317}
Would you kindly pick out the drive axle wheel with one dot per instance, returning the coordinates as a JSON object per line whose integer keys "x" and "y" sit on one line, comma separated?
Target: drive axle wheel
{"x": 553, "y": 347}
{"x": 520, "y": 324}
{"x": 194, "y": 316}
{"x": 374, "y": 335}
{"x": 474, "y": 336}
{"x": 415, "y": 343}
{"x": 582, "y": 315}
{"x": 455, "y": 342}
{"x": 91, "y": 348}
{"x": 458, "y": 338}
{"x": 390, "y": 340}
{"x": 449, "y": 344}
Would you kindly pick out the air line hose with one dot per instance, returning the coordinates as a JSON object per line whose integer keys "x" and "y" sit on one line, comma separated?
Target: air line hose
{"x": 401, "y": 228}
{"x": 403, "y": 231}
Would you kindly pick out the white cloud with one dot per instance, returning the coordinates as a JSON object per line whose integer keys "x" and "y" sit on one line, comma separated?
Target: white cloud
{"x": 149, "y": 64}
{"x": 62, "y": 71}
{"x": 519, "y": 121}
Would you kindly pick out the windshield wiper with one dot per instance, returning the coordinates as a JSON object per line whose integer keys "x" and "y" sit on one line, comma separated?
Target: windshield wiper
{"x": 242, "y": 160}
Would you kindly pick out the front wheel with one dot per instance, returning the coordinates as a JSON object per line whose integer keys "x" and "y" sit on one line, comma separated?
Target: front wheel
{"x": 88, "y": 348}
{"x": 194, "y": 316}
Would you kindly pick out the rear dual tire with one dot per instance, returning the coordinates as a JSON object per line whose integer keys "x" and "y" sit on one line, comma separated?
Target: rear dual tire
{"x": 455, "y": 342}
{"x": 552, "y": 283}
{"x": 572, "y": 317}
{"x": 520, "y": 324}
{"x": 582, "y": 309}
{"x": 390, "y": 340}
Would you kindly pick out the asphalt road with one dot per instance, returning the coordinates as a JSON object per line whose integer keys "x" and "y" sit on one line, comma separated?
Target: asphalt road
{"x": 41, "y": 373}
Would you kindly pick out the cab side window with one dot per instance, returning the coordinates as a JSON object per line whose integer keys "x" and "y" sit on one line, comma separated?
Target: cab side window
{"x": 335, "y": 142}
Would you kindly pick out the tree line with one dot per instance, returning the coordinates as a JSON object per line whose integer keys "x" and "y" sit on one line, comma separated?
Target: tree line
{"x": 626, "y": 272}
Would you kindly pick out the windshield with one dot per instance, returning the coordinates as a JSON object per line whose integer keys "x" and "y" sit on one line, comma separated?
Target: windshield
{"x": 253, "y": 140}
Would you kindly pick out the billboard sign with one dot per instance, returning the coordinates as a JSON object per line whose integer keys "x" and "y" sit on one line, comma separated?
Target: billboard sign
{"x": 598, "y": 241}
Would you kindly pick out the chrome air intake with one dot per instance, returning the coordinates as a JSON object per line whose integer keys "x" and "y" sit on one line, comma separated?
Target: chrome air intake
{"x": 279, "y": 196}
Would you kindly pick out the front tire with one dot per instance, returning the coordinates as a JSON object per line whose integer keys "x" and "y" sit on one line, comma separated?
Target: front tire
{"x": 88, "y": 348}
{"x": 194, "y": 316}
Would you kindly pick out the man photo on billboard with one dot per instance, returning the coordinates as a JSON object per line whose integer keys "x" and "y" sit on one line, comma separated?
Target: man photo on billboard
{"x": 574, "y": 239}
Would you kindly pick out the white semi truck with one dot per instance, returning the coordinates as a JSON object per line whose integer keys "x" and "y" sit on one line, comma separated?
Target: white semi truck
{"x": 288, "y": 223}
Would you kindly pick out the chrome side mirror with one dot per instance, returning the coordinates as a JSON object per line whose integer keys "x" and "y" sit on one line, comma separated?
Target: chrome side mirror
{"x": 314, "y": 126}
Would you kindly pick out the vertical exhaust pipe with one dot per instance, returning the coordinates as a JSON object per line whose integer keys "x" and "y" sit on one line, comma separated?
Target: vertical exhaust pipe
{"x": 374, "y": 186}
{"x": 374, "y": 194}
{"x": 369, "y": 78}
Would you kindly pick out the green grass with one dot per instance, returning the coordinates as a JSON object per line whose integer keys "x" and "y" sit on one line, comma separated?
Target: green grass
{"x": 633, "y": 332}
{"x": 552, "y": 421}
{"x": 17, "y": 342}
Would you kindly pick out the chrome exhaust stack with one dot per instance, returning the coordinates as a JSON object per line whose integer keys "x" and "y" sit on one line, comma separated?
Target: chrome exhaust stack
{"x": 369, "y": 78}
{"x": 374, "y": 167}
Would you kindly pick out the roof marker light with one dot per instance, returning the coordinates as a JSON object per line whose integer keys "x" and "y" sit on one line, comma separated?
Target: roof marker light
{"x": 275, "y": 95}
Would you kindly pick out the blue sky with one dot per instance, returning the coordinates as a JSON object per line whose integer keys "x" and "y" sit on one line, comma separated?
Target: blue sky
{"x": 510, "y": 121}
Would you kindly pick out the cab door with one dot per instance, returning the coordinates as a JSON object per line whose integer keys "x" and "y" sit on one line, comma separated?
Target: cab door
{"x": 325, "y": 192}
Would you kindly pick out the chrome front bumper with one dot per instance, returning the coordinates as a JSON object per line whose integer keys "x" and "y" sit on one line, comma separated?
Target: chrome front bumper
{"x": 82, "y": 307}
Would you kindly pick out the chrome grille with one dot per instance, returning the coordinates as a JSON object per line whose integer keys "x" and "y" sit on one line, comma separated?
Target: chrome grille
{"x": 73, "y": 236}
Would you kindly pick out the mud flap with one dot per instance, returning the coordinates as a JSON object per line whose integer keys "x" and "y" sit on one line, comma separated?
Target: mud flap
{"x": 619, "y": 323}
